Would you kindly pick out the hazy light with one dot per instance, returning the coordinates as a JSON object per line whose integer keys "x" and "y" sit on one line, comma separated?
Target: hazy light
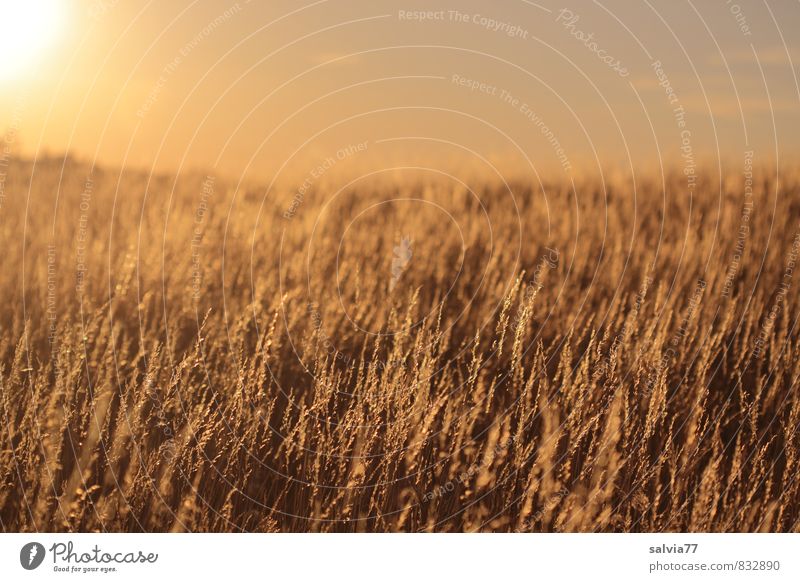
{"x": 27, "y": 28}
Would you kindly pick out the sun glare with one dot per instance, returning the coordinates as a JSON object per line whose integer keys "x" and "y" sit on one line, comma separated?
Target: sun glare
{"x": 27, "y": 29}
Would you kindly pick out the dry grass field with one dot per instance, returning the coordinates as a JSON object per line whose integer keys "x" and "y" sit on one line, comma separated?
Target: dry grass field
{"x": 183, "y": 355}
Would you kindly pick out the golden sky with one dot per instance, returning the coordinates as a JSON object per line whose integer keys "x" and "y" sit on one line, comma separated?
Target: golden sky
{"x": 260, "y": 89}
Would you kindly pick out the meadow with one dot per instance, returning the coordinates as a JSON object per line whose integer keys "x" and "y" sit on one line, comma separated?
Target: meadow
{"x": 179, "y": 354}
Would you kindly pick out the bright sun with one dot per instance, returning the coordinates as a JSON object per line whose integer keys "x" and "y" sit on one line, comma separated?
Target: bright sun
{"x": 27, "y": 28}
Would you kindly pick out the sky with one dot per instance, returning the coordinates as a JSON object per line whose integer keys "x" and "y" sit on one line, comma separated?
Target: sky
{"x": 286, "y": 89}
